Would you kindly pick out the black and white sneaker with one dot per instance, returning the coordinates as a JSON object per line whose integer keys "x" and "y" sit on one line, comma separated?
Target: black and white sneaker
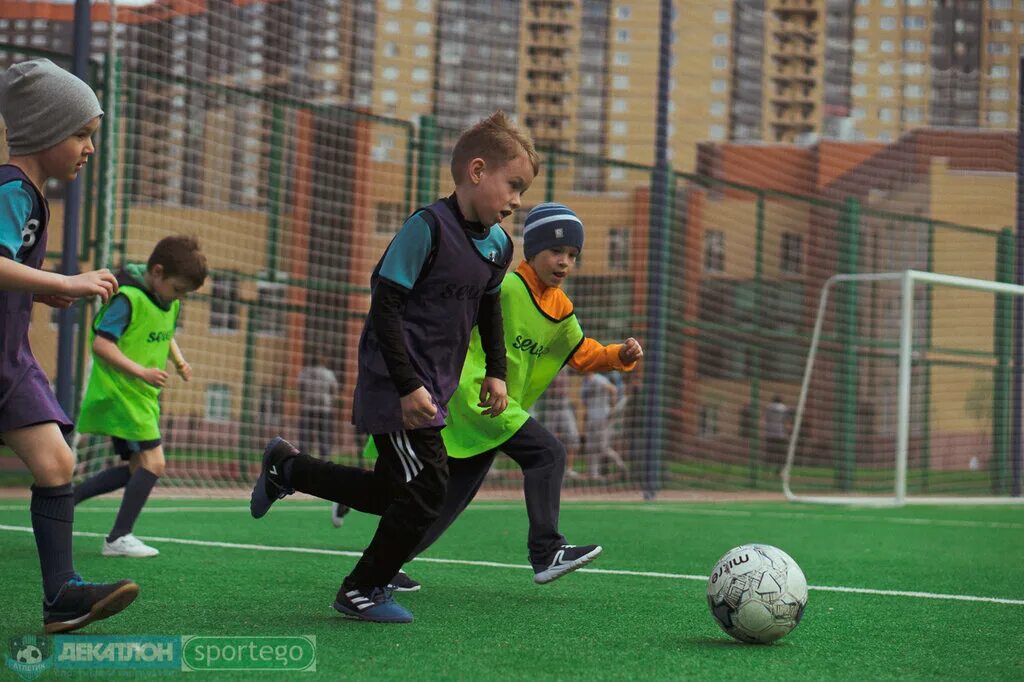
{"x": 565, "y": 559}
{"x": 338, "y": 512}
{"x": 79, "y": 603}
{"x": 375, "y": 604}
{"x": 270, "y": 486}
{"x": 403, "y": 583}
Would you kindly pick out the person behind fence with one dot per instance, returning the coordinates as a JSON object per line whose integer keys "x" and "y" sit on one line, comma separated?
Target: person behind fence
{"x": 439, "y": 276}
{"x": 50, "y": 117}
{"x": 599, "y": 397}
{"x": 776, "y": 432}
{"x": 542, "y": 335}
{"x": 318, "y": 394}
{"x": 132, "y": 337}
{"x": 559, "y": 417}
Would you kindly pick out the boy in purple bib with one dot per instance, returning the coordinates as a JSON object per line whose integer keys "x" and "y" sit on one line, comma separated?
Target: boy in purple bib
{"x": 440, "y": 276}
{"x": 51, "y": 117}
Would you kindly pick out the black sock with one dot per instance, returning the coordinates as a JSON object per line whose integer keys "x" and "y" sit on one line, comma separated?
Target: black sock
{"x": 106, "y": 481}
{"x": 53, "y": 515}
{"x": 135, "y": 495}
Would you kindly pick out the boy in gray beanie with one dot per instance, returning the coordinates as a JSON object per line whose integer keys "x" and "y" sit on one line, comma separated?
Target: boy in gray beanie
{"x": 51, "y": 117}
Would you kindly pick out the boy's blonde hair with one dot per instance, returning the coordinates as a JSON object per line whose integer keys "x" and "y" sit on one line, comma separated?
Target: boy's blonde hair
{"x": 496, "y": 140}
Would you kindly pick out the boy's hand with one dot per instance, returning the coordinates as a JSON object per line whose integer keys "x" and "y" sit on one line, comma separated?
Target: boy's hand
{"x": 418, "y": 409}
{"x": 154, "y": 376}
{"x": 100, "y": 283}
{"x": 631, "y": 351}
{"x": 493, "y": 396}
{"x": 54, "y": 300}
{"x": 184, "y": 371}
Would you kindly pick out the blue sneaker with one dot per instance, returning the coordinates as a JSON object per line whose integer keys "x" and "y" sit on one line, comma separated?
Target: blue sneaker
{"x": 269, "y": 486}
{"x": 79, "y": 603}
{"x": 376, "y": 605}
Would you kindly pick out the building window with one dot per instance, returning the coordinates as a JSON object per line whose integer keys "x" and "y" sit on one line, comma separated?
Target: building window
{"x": 720, "y": 40}
{"x": 998, "y": 117}
{"x": 270, "y": 309}
{"x": 720, "y": 63}
{"x": 618, "y": 249}
{"x": 218, "y": 402}
{"x": 721, "y": 16}
{"x": 716, "y": 132}
{"x": 390, "y": 216}
{"x": 708, "y": 421}
{"x": 224, "y": 304}
{"x": 271, "y": 407}
{"x": 792, "y": 253}
{"x": 623, "y": 12}
{"x": 999, "y": 71}
{"x": 998, "y": 94}
{"x": 718, "y": 85}
{"x": 620, "y": 82}
{"x": 622, "y": 59}
{"x": 714, "y": 251}
{"x": 912, "y": 22}
{"x": 887, "y": 23}
{"x": 622, "y": 35}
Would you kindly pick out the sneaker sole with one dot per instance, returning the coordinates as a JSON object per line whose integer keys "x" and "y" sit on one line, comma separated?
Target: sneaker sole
{"x": 356, "y": 615}
{"x": 111, "y": 553}
{"x": 405, "y": 589}
{"x": 545, "y": 577}
{"x": 112, "y": 604}
{"x": 259, "y": 498}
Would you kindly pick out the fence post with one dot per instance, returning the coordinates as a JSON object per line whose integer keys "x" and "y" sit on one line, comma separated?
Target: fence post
{"x": 1001, "y": 378}
{"x": 755, "y": 370}
{"x": 846, "y": 377}
{"x": 426, "y": 162}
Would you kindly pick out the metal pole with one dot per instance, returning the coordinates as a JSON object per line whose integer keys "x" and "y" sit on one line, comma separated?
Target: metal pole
{"x": 657, "y": 245}
{"x": 69, "y": 250}
{"x": 1018, "y": 302}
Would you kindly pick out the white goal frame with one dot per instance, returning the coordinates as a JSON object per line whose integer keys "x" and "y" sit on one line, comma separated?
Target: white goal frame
{"x": 907, "y": 278}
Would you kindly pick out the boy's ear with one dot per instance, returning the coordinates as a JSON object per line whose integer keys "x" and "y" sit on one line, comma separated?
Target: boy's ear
{"x": 157, "y": 270}
{"x": 477, "y": 166}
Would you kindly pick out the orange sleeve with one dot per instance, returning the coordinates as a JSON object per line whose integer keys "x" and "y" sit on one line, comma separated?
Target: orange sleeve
{"x": 591, "y": 356}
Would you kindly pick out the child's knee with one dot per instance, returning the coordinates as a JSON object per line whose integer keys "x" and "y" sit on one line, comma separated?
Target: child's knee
{"x": 150, "y": 460}
{"x": 55, "y": 470}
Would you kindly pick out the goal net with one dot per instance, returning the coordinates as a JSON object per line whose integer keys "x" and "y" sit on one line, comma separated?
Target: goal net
{"x": 906, "y": 394}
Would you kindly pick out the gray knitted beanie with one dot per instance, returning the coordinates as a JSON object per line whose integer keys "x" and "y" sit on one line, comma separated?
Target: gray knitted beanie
{"x": 42, "y": 105}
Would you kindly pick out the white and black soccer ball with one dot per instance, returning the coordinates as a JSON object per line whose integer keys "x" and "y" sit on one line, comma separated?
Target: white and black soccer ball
{"x": 757, "y": 593}
{"x": 29, "y": 654}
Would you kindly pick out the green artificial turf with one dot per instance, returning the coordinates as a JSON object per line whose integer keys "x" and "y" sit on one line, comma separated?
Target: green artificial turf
{"x": 476, "y": 621}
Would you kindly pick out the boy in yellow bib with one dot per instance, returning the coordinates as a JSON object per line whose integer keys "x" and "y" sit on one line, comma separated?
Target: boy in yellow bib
{"x": 132, "y": 337}
{"x": 542, "y": 335}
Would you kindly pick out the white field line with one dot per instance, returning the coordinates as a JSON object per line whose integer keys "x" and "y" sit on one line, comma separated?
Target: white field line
{"x": 496, "y": 564}
{"x": 853, "y": 515}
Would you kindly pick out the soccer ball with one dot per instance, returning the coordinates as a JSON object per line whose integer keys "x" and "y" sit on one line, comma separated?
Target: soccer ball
{"x": 29, "y": 654}
{"x": 757, "y": 593}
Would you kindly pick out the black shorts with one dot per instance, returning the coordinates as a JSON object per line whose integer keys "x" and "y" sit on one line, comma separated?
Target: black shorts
{"x": 126, "y": 448}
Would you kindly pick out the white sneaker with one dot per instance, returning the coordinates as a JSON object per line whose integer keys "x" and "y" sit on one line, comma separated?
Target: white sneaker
{"x": 338, "y": 512}
{"x": 128, "y": 545}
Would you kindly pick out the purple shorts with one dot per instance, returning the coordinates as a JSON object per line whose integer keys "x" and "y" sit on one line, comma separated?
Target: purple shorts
{"x": 31, "y": 401}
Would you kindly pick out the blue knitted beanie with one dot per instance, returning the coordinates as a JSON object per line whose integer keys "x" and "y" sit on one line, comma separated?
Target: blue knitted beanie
{"x": 549, "y": 225}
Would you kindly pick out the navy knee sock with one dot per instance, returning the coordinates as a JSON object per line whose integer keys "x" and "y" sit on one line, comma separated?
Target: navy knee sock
{"x": 136, "y": 492}
{"x": 53, "y": 514}
{"x": 106, "y": 481}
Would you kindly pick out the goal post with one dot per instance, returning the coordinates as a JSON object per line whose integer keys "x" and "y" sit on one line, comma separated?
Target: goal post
{"x": 905, "y": 283}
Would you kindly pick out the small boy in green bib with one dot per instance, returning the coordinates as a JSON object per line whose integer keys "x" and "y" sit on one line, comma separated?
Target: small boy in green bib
{"x": 132, "y": 337}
